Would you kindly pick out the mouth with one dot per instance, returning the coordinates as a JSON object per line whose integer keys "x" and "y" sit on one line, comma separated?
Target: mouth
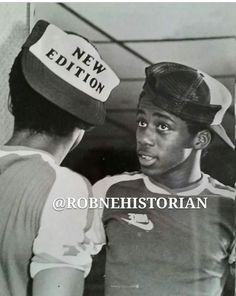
{"x": 146, "y": 160}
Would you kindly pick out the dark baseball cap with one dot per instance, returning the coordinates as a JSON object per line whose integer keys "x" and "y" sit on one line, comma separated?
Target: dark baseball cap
{"x": 67, "y": 70}
{"x": 190, "y": 94}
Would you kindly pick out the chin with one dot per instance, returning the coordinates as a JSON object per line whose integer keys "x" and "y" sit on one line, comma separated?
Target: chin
{"x": 151, "y": 172}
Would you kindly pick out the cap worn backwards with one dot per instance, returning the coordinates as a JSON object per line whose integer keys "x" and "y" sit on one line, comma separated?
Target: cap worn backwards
{"x": 67, "y": 70}
{"x": 188, "y": 93}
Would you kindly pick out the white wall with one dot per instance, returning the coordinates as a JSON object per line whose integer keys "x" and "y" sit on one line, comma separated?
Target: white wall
{"x": 13, "y": 24}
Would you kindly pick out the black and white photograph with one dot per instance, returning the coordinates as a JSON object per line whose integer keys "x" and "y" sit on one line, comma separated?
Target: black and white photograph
{"x": 117, "y": 148}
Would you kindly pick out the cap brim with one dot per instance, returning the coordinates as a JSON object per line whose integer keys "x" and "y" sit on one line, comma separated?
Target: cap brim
{"x": 61, "y": 93}
{"x": 220, "y": 131}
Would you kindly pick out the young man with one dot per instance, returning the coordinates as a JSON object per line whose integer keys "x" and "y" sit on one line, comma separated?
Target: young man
{"x": 58, "y": 88}
{"x": 183, "y": 242}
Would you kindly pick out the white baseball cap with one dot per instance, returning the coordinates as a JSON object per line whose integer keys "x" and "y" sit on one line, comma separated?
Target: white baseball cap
{"x": 67, "y": 70}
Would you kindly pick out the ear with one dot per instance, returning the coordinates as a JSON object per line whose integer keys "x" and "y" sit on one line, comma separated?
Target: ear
{"x": 202, "y": 140}
{"x": 9, "y": 103}
{"x": 77, "y": 136}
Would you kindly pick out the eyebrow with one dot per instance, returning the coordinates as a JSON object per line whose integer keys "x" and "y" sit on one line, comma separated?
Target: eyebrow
{"x": 159, "y": 114}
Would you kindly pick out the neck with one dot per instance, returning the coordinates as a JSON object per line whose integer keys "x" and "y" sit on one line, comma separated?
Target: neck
{"x": 57, "y": 146}
{"x": 184, "y": 175}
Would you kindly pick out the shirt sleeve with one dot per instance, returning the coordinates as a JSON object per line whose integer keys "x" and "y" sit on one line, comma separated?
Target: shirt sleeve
{"x": 69, "y": 236}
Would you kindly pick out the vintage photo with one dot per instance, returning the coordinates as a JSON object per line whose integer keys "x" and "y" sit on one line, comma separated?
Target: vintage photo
{"x": 117, "y": 157}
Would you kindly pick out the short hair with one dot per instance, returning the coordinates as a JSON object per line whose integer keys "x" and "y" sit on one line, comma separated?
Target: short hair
{"x": 195, "y": 127}
{"x": 34, "y": 112}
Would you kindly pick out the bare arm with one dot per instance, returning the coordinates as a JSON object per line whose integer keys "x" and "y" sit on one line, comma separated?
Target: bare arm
{"x": 60, "y": 281}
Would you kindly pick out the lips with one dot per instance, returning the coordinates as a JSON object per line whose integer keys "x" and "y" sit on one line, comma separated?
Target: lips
{"x": 146, "y": 159}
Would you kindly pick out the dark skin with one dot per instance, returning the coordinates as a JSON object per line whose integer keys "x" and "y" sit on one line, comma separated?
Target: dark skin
{"x": 168, "y": 153}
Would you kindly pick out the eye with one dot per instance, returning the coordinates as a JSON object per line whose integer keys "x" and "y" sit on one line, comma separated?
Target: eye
{"x": 141, "y": 123}
{"x": 163, "y": 127}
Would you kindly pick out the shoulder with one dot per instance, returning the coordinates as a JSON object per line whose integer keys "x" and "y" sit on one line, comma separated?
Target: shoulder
{"x": 24, "y": 162}
{"x": 27, "y": 171}
{"x": 216, "y": 187}
{"x": 101, "y": 187}
{"x": 70, "y": 182}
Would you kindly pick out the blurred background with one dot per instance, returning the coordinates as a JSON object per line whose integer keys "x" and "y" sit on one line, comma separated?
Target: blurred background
{"x": 130, "y": 36}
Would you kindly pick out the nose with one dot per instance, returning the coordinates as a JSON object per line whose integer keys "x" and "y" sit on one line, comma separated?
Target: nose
{"x": 145, "y": 136}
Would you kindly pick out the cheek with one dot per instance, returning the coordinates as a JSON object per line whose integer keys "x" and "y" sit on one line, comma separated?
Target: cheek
{"x": 177, "y": 156}
{"x": 178, "y": 141}
{"x": 138, "y": 135}
{"x": 174, "y": 149}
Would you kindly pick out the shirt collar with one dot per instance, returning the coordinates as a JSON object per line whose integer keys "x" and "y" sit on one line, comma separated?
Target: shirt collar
{"x": 194, "y": 189}
{"x": 25, "y": 151}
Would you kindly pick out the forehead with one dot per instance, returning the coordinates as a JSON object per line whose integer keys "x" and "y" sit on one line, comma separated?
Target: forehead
{"x": 146, "y": 106}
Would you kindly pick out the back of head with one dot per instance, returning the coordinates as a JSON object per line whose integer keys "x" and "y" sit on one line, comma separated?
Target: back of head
{"x": 58, "y": 82}
{"x": 33, "y": 112}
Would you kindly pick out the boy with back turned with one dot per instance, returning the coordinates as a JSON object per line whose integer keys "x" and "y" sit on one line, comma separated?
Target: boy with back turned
{"x": 44, "y": 251}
